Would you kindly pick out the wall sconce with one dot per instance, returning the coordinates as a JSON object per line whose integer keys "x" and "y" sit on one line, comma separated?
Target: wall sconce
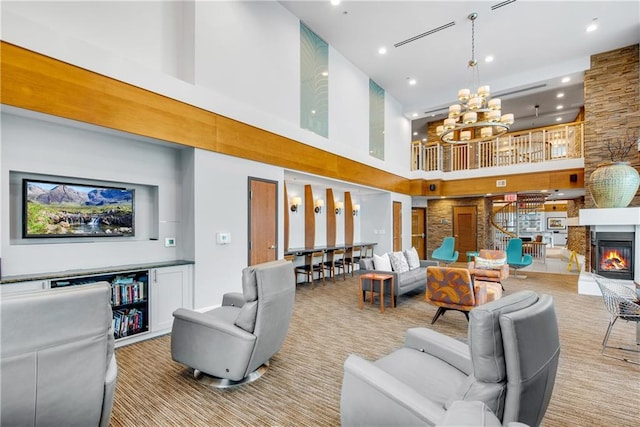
{"x": 295, "y": 203}
{"x": 356, "y": 209}
{"x": 339, "y": 206}
{"x": 319, "y": 203}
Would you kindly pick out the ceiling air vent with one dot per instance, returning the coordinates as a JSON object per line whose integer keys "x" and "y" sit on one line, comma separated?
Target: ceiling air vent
{"x": 513, "y": 92}
{"x": 504, "y": 3}
{"x": 428, "y": 33}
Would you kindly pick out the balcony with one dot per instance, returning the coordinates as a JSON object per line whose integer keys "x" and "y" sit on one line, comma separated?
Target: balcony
{"x": 518, "y": 148}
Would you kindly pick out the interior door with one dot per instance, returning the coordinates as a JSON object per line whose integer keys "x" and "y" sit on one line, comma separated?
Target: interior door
{"x": 263, "y": 221}
{"x": 397, "y": 226}
{"x": 465, "y": 230}
{"x": 418, "y": 231}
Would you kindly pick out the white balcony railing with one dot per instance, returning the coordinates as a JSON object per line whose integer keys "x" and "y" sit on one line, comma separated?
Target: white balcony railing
{"x": 532, "y": 146}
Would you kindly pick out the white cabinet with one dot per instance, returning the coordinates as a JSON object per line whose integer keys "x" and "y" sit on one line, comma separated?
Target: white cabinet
{"x": 170, "y": 290}
{"x": 35, "y": 285}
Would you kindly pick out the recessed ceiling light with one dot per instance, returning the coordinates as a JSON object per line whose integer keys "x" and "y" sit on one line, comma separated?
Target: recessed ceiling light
{"x": 558, "y": 119}
{"x": 415, "y": 133}
{"x": 488, "y": 58}
{"x": 415, "y": 114}
{"x": 335, "y": 2}
{"x": 566, "y": 79}
{"x": 325, "y": 73}
{"x": 560, "y": 194}
{"x": 593, "y": 25}
{"x": 560, "y": 95}
{"x": 559, "y": 107}
{"x": 424, "y": 139}
{"x": 382, "y": 50}
{"x": 412, "y": 81}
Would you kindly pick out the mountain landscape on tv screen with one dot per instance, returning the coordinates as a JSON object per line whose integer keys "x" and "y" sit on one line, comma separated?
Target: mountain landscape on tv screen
{"x": 67, "y": 210}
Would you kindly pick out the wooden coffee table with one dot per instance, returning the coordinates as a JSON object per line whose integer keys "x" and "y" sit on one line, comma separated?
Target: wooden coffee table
{"x": 382, "y": 278}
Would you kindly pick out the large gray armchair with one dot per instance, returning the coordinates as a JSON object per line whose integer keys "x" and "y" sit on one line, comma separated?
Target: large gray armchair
{"x": 233, "y": 343}
{"x": 58, "y": 365}
{"x": 509, "y": 364}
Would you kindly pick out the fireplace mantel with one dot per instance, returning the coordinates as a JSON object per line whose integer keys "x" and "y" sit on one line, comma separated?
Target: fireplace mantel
{"x": 610, "y": 216}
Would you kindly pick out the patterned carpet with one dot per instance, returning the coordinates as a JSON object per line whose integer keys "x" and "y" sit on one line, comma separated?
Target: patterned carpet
{"x": 302, "y": 385}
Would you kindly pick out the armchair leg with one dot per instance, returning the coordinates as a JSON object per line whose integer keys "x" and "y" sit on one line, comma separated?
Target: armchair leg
{"x": 440, "y": 312}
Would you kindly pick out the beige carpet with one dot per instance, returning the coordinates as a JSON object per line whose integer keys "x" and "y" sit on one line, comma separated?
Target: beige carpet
{"x": 302, "y": 385}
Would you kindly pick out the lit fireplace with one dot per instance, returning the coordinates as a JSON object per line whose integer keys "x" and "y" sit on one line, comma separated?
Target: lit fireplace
{"x": 613, "y": 260}
{"x": 612, "y": 254}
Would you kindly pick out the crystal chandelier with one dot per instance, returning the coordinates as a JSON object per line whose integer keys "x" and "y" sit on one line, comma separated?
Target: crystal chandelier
{"x": 477, "y": 117}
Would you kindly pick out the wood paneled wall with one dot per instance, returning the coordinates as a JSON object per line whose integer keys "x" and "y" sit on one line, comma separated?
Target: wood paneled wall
{"x": 331, "y": 217}
{"x": 309, "y": 219}
{"x": 39, "y": 83}
{"x": 348, "y": 219}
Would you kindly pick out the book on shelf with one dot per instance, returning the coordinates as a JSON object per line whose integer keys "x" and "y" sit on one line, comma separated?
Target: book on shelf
{"x": 128, "y": 322}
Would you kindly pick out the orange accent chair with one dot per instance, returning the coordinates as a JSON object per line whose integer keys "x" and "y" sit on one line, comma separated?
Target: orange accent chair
{"x": 487, "y": 272}
{"x": 451, "y": 288}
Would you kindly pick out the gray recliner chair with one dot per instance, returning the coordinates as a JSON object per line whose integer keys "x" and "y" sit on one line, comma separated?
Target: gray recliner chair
{"x": 58, "y": 365}
{"x": 232, "y": 344}
{"x": 509, "y": 365}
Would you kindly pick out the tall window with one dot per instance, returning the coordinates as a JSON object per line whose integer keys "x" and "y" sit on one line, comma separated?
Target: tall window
{"x": 376, "y": 120}
{"x": 314, "y": 82}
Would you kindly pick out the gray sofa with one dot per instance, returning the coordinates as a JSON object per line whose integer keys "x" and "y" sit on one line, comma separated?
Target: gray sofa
{"x": 58, "y": 365}
{"x": 403, "y": 282}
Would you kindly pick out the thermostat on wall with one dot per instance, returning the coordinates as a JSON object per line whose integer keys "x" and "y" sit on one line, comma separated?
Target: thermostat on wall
{"x": 223, "y": 238}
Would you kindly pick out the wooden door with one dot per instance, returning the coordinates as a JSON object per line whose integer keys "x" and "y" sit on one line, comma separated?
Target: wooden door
{"x": 263, "y": 221}
{"x": 397, "y": 226}
{"x": 465, "y": 230}
{"x": 418, "y": 231}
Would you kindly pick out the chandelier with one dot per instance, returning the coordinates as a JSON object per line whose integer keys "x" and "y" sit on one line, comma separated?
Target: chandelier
{"x": 477, "y": 117}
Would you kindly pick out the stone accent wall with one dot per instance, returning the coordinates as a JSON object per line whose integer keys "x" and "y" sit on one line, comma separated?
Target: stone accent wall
{"x": 611, "y": 104}
{"x": 575, "y": 235}
{"x": 440, "y": 220}
{"x": 612, "y": 111}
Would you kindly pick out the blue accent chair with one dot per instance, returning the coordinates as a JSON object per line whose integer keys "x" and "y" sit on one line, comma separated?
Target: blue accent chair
{"x": 446, "y": 252}
{"x": 515, "y": 258}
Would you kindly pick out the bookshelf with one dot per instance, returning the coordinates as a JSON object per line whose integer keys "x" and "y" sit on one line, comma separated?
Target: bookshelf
{"x": 143, "y": 297}
{"x": 129, "y": 299}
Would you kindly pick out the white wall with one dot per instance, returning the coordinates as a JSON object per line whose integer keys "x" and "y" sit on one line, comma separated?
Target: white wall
{"x": 296, "y": 219}
{"x": 221, "y": 204}
{"x": 54, "y": 148}
{"x": 248, "y": 71}
{"x": 376, "y": 221}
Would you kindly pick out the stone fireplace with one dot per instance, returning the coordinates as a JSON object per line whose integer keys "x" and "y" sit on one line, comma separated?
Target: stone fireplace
{"x": 615, "y": 246}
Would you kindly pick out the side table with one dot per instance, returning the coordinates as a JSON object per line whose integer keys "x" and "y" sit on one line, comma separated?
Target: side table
{"x": 373, "y": 277}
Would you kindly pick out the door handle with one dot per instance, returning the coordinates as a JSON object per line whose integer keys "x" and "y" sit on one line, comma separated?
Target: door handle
{"x": 272, "y": 247}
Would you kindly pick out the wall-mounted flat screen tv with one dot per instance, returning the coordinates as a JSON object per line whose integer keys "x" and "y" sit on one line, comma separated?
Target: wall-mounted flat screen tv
{"x": 62, "y": 209}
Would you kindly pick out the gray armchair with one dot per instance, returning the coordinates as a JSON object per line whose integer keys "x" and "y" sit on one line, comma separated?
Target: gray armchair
{"x": 58, "y": 365}
{"x": 232, "y": 344}
{"x": 509, "y": 364}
